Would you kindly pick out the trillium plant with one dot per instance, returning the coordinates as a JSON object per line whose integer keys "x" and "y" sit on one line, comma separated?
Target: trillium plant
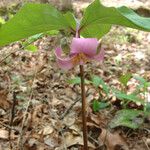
{"x": 97, "y": 21}
{"x": 82, "y": 51}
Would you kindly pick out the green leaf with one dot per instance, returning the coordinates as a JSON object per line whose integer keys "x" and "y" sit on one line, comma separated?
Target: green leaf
{"x": 31, "y": 48}
{"x": 147, "y": 107}
{"x": 2, "y": 21}
{"x": 52, "y": 32}
{"x": 99, "y": 105}
{"x": 125, "y": 78}
{"x": 95, "y": 30}
{"x": 35, "y": 37}
{"x": 130, "y": 97}
{"x": 30, "y": 20}
{"x": 98, "y": 19}
{"x": 32, "y": 39}
{"x": 142, "y": 80}
{"x": 97, "y": 81}
{"x": 71, "y": 20}
{"x": 143, "y": 84}
{"x": 128, "y": 118}
{"x": 77, "y": 80}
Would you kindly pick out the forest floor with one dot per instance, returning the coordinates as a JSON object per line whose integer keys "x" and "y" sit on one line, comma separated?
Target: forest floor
{"x": 46, "y": 108}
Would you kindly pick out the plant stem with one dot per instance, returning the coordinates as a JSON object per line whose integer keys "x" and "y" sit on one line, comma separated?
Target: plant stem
{"x": 84, "y": 118}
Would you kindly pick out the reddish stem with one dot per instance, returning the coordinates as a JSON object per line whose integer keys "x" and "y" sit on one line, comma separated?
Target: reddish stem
{"x": 84, "y": 118}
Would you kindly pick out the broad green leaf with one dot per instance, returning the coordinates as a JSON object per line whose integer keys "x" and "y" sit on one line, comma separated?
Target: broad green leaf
{"x": 95, "y": 30}
{"x": 31, "y": 48}
{"x": 71, "y": 20}
{"x": 125, "y": 78}
{"x": 30, "y": 20}
{"x": 97, "y": 17}
{"x": 99, "y": 105}
{"x": 97, "y": 81}
{"x": 130, "y": 97}
{"x": 128, "y": 118}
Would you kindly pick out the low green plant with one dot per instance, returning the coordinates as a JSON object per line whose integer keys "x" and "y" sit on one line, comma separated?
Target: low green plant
{"x": 125, "y": 116}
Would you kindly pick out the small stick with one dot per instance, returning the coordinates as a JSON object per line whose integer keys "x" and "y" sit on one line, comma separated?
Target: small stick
{"x": 12, "y": 115}
{"x": 20, "y": 140}
{"x": 69, "y": 109}
{"x": 55, "y": 116}
{"x": 84, "y": 117}
{"x": 7, "y": 126}
{"x": 1, "y": 61}
{"x": 148, "y": 148}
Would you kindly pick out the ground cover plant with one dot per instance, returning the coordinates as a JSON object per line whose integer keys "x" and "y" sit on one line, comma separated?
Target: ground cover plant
{"x": 43, "y": 19}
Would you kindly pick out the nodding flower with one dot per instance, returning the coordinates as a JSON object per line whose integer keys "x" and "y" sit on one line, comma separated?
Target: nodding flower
{"x": 82, "y": 50}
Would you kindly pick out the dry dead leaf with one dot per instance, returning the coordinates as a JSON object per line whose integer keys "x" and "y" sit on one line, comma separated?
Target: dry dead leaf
{"x": 148, "y": 142}
{"x": 3, "y": 134}
{"x": 37, "y": 114}
{"x": 112, "y": 141}
{"x": 51, "y": 142}
{"x": 4, "y": 103}
{"x": 71, "y": 140}
{"x": 69, "y": 120}
{"x": 47, "y": 130}
{"x": 75, "y": 129}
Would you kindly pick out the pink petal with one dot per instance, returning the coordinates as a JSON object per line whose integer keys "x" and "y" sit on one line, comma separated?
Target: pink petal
{"x": 100, "y": 55}
{"x": 64, "y": 63}
{"x": 87, "y": 46}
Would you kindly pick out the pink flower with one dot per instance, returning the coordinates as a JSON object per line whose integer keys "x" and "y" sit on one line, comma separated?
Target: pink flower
{"x": 82, "y": 51}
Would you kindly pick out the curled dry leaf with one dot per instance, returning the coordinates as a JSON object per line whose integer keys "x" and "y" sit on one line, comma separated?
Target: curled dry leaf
{"x": 112, "y": 141}
{"x": 48, "y": 130}
{"x": 4, "y": 103}
{"x": 71, "y": 140}
{"x": 75, "y": 129}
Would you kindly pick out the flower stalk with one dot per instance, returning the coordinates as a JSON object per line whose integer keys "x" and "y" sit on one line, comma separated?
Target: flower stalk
{"x": 84, "y": 117}
{"x": 82, "y": 50}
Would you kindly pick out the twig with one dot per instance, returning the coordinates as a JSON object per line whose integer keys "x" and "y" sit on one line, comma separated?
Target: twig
{"x": 20, "y": 140}
{"x": 1, "y": 61}
{"x": 148, "y": 148}
{"x": 95, "y": 141}
{"x": 55, "y": 116}
{"x": 12, "y": 115}
{"x": 104, "y": 141}
{"x": 64, "y": 144}
{"x": 69, "y": 109}
{"x": 9, "y": 127}
{"x": 84, "y": 117}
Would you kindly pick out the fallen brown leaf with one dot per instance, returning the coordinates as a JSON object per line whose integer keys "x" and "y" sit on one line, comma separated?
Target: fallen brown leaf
{"x": 4, "y": 103}
{"x": 3, "y": 134}
{"x": 113, "y": 141}
{"x": 71, "y": 140}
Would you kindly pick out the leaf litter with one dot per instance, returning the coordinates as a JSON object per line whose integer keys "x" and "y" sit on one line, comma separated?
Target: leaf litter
{"x": 52, "y": 95}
